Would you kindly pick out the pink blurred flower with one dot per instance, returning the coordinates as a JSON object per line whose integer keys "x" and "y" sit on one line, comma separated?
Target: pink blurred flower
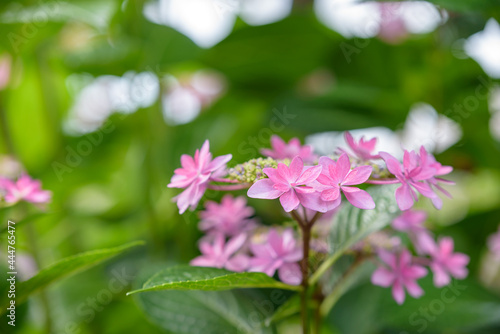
{"x": 400, "y": 273}
{"x": 411, "y": 174}
{"x": 5, "y": 69}
{"x": 230, "y": 217}
{"x": 445, "y": 263}
{"x": 281, "y": 150}
{"x": 337, "y": 176}
{"x": 25, "y": 188}
{"x": 411, "y": 222}
{"x": 289, "y": 184}
{"x": 392, "y": 24}
{"x": 279, "y": 252}
{"x": 494, "y": 243}
{"x": 221, "y": 254}
{"x": 362, "y": 149}
{"x": 195, "y": 175}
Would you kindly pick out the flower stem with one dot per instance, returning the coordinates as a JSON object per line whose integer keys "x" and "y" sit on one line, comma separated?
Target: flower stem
{"x": 383, "y": 181}
{"x": 229, "y": 187}
{"x": 304, "y": 265}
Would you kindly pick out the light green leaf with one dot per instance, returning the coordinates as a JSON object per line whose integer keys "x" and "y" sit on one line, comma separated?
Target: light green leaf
{"x": 61, "y": 269}
{"x": 351, "y": 224}
{"x": 208, "y": 279}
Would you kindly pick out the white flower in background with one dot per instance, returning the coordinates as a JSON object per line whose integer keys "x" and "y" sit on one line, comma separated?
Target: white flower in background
{"x": 391, "y": 21}
{"x": 260, "y": 12}
{"x": 188, "y": 95}
{"x": 423, "y": 126}
{"x": 207, "y": 22}
{"x": 106, "y": 94}
{"x": 484, "y": 47}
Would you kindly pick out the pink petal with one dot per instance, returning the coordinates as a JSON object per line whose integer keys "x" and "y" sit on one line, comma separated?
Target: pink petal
{"x": 404, "y": 197}
{"x": 278, "y": 144}
{"x": 424, "y": 189}
{"x": 350, "y": 141}
{"x": 330, "y": 194}
{"x": 289, "y": 200}
{"x": 414, "y": 289}
{"x": 358, "y": 175}
{"x": 382, "y": 277}
{"x": 313, "y": 202}
{"x": 234, "y": 244}
{"x": 393, "y": 165}
{"x": 263, "y": 189}
{"x": 275, "y": 175}
{"x": 238, "y": 263}
{"x": 388, "y": 257}
{"x": 441, "y": 277}
{"x": 342, "y": 167}
{"x": 187, "y": 162}
{"x": 309, "y": 175}
{"x": 359, "y": 198}
{"x": 218, "y": 162}
{"x": 290, "y": 273}
{"x": 398, "y": 292}
{"x": 296, "y": 167}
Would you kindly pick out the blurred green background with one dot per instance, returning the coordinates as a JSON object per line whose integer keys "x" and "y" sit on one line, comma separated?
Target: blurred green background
{"x": 115, "y": 192}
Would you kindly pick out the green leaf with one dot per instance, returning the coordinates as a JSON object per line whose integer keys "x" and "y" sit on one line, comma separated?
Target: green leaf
{"x": 351, "y": 224}
{"x": 61, "y": 269}
{"x": 208, "y": 279}
{"x": 289, "y": 308}
{"x": 206, "y": 312}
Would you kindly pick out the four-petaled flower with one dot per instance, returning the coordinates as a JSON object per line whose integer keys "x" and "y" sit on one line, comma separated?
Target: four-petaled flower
{"x": 278, "y": 252}
{"x": 337, "y": 176}
{"x": 412, "y": 173}
{"x": 446, "y": 263}
{"x": 281, "y": 150}
{"x": 221, "y": 254}
{"x": 230, "y": 217}
{"x": 400, "y": 273}
{"x": 195, "y": 175}
{"x": 289, "y": 184}
{"x": 362, "y": 149}
{"x": 25, "y": 188}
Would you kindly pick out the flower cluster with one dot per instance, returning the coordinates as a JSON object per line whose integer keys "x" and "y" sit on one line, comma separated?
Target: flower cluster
{"x": 236, "y": 242}
{"x": 311, "y": 189}
{"x": 400, "y": 270}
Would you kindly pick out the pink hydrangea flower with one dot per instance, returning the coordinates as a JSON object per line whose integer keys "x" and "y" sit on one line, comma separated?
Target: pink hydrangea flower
{"x": 400, "y": 273}
{"x": 221, "y": 254}
{"x": 494, "y": 243}
{"x": 440, "y": 170}
{"x": 24, "y": 189}
{"x": 281, "y": 150}
{"x": 411, "y": 222}
{"x": 195, "y": 175}
{"x": 362, "y": 149}
{"x": 230, "y": 217}
{"x": 338, "y": 176}
{"x": 445, "y": 263}
{"x": 289, "y": 184}
{"x": 279, "y": 253}
{"x": 412, "y": 174}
